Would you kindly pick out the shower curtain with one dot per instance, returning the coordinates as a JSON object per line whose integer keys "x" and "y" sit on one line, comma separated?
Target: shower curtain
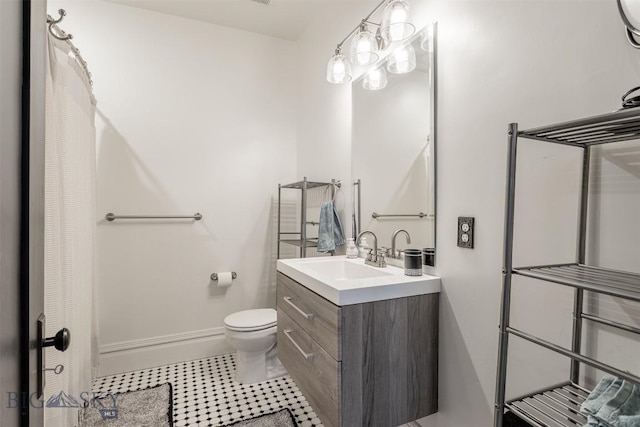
{"x": 70, "y": 223}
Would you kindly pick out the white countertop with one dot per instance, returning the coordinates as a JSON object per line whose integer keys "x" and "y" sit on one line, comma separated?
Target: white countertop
{"x": 326, "y": 276}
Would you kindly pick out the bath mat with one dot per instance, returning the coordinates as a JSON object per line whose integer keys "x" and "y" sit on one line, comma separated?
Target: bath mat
{"x": 149, "y": 407}
{"x": 282, "y": 418}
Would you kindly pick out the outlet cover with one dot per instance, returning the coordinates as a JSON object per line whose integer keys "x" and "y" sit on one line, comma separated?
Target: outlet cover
{"x": 465, "y": 232}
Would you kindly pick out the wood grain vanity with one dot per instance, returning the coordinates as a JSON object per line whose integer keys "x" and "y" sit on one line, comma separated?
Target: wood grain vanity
{"x": 372, "y": 364}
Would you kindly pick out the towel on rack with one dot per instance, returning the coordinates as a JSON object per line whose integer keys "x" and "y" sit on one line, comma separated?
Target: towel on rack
{"x": 330, "y": 232}
{"x": 613, "y": 403}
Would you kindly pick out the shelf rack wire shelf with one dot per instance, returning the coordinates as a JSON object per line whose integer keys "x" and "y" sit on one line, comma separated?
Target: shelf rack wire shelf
{"x": 555, "y": 406}
{"x": 559, "y": 405}
{"x": 622, "y": 125}
{"x": 602, "y": 280}
{"x": 302, "y": 241}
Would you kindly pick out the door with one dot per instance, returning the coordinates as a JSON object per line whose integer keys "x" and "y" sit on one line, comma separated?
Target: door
{"x": 23, "y": 25}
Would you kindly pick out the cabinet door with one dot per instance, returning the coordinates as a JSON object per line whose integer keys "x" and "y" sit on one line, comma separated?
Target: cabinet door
{"x": 312, "y": 368}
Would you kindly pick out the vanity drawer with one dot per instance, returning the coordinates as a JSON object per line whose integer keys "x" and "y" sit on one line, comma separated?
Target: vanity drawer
{"x": 315, "y": 372}
{"x": 316, "y": 316}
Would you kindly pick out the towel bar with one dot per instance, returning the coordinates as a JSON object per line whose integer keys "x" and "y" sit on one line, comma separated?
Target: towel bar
{"x": 376, "y": 215}
{"x": 112, "y": 217}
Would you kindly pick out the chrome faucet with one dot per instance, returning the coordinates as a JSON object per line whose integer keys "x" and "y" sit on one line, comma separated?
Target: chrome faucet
{"x": 374, "y": 257}
{"x": 393, "y": 242}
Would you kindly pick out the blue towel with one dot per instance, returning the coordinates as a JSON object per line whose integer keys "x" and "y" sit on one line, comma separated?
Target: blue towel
{"x": 330, "y": 232}
{"x": 613, "y": 403}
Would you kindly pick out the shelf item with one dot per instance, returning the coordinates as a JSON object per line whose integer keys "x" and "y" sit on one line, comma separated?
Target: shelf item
{"x": 622, "y": 125}
{"x": 605, "y": 281}
{"x": 303, "y": 242}
{"x": 309, "y": 242}
{"x": 556, "y": 406}
{"x": 559, "y": 406}
{"x": 310, "y": 184}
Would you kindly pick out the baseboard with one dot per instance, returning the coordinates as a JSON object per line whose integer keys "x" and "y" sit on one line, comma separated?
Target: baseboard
{"x": 145, "y": 353}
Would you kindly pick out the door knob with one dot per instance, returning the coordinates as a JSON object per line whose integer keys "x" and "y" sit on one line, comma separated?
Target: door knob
{"x": 60, "y": 341}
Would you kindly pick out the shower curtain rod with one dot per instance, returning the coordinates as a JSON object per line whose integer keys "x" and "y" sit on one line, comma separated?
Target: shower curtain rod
{"x": 60, "y": 34}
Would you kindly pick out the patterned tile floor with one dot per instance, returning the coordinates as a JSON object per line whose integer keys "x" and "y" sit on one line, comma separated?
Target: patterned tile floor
{"x": 205, "y": 393}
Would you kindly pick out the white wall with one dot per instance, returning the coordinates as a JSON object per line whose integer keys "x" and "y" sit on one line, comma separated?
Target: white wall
{"x": 533, "y": 62}
{"x": 193, "y": 117}
{"x": 323, "y": 114}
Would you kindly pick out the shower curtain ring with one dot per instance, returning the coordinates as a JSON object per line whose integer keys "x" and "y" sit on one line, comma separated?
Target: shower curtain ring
{"x": 63, "y": 35}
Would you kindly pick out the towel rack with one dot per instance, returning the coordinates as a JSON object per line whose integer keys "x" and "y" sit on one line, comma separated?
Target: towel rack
{"x": 112, "y": 217}
{"x": 376, "y": 215}
{"x": 301, "y": 239}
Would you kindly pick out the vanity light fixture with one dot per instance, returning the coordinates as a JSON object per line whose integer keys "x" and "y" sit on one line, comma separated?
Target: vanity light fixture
{"x": 396, "y": 21}
{"x": 338, "y": 68}
{"x": 402, "y": 60}
{"x": 375, "y": 79}
{"x": 365, "y": 46}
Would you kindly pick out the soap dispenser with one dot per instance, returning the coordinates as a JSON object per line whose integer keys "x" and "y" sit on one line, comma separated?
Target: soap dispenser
{"x": 352, "y": 250}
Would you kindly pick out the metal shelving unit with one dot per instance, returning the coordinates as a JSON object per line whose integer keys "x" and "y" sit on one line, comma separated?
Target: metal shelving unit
{"x": 559, "y": 405}
{"x": 301, "y": 240}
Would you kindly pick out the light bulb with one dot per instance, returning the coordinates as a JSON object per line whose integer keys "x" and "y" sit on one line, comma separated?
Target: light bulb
{"x": 396, "y": 21}
{"x": 364, "y": 47}
{"x": 375, "y": 79}
{"x": 402, "y": 60}
{"x": 338, "y": 68}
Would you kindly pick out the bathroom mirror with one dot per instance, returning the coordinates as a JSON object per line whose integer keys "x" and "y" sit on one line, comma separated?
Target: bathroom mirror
{"x": 394, "y": 142}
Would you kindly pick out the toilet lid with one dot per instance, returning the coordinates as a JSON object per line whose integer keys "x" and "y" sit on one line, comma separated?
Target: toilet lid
{"x": 252, "y": 320}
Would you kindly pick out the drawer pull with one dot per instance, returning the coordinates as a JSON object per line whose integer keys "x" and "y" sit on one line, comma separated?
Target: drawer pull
{"x": 298, "y": 309}
{"x": 308, "y": 356}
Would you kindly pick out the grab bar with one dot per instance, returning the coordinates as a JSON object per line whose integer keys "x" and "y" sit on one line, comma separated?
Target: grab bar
{"x": 376, "y": 215}
{"x": 112, "y": 217}
{"x": 308, "y": 356}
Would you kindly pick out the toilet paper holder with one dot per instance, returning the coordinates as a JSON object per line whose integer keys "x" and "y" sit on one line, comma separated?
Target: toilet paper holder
{"x": 214, "y": 276}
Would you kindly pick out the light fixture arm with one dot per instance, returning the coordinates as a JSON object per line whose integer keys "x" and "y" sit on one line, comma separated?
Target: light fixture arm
{"x": 364, "y": 21}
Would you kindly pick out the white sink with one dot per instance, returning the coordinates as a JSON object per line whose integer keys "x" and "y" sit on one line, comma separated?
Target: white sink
{"x": 350, "y": 281}
{"x": 340, "y": 268}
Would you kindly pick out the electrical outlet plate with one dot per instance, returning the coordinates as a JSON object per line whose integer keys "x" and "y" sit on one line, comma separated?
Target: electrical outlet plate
{"x": 465, "y": 232}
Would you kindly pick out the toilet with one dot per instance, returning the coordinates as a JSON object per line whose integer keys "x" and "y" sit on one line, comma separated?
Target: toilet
{"x": 253, "y": 334}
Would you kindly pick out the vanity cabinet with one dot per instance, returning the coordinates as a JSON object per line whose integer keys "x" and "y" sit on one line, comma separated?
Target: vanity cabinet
{"x": 370, "y": 364}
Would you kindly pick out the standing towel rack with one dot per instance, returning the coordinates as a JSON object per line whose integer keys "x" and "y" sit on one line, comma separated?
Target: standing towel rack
{"x": 112, "y": 217}
{"x": 376, "y": 215}
{"x": 300, "y": 238}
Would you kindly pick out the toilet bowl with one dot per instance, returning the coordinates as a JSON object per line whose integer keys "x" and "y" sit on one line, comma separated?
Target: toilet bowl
{"x": 252, "y": 333}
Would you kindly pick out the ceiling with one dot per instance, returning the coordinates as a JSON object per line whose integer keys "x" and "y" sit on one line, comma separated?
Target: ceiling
{"x": 285, "y": 19}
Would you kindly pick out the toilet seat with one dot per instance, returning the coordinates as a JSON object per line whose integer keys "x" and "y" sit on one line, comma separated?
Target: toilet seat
{"x": 251, "y": 320}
